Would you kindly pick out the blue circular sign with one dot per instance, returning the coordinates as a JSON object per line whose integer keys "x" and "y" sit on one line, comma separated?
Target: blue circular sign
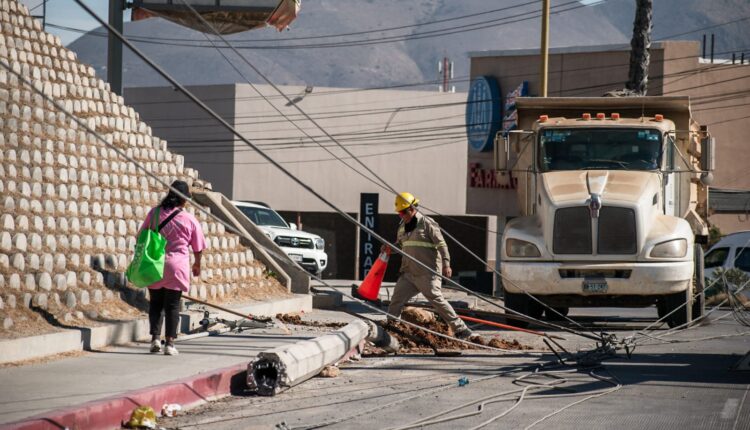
{"x": 483, "y": 113}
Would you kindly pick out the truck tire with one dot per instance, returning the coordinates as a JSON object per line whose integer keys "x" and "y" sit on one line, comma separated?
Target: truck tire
{"x": 684, "y": 312}
{"x": 521, "y": 303}
{"x": 699, "y": 284}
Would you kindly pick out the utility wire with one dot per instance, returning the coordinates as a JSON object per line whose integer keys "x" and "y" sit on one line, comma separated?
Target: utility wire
{"x": 299, "y": 181}
{"x": 382, "y": 181}
{"x": 521, "y": 17}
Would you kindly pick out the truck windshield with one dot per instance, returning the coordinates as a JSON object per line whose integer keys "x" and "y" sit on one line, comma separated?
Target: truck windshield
{"x": 599, "y": 148}
{"x": 263, "y": 216}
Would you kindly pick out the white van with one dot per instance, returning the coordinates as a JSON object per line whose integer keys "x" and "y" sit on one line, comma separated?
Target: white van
{"x": 306, "y": 249}
{"x": 732, "y": 251}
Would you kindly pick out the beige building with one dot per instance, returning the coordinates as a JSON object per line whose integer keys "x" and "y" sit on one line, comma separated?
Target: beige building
{"x": 719, "y": 92}
{"x": 414, "y": 140}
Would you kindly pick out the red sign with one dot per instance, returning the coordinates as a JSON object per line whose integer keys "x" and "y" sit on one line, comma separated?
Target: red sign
{"x": 488, "y": 178}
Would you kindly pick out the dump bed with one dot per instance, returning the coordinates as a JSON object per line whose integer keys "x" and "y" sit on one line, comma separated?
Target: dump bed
{"x": 676, "y": 108}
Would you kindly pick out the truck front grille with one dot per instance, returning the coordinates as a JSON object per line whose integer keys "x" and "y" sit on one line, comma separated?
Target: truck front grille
{"x": 572, "y": 231}
{"x": 294, "y": 242}
{"x": 617, "y": 233}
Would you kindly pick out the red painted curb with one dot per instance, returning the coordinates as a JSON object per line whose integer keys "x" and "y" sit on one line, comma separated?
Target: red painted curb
{"x": 109, "y": 413}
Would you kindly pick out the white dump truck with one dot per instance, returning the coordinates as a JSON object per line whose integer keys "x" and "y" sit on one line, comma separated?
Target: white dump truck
{"x": 613, "y": 204}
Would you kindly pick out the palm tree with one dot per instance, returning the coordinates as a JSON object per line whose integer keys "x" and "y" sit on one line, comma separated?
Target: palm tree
{"x": 637, "y": 84}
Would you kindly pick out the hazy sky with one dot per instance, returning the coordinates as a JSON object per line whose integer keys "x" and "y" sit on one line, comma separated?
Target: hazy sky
{"x": 67, "y": 13}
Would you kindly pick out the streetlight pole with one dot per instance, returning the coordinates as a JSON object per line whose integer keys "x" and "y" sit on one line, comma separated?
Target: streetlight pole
{"x": 545, "y": 48}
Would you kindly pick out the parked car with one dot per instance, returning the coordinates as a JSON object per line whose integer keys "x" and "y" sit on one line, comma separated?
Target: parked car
{"x": 307, "y": 249}
{"x": 731, "y": 252}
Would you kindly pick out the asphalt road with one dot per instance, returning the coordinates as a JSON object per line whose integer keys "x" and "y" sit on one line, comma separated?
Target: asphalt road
{"x": 684, "y": 385}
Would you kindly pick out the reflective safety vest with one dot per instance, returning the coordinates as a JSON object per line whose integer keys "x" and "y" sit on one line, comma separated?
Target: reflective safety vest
{"x": 425, "y": 243}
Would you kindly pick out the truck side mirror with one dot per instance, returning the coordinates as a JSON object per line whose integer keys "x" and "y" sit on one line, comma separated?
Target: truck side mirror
{"x": 502, "y": 146}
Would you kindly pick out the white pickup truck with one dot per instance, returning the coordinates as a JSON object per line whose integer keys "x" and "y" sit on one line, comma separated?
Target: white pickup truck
{"x": 304, "y": 248}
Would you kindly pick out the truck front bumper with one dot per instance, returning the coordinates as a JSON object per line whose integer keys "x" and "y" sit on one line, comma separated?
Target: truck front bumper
{"x": 643, "y": 279}
{"x": 313, "y": 260}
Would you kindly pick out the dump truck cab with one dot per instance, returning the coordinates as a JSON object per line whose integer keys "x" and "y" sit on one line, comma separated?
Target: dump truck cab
{"x": 612, "y": 198}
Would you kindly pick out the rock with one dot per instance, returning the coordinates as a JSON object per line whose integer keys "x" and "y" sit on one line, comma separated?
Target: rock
{"x": 7, "y": 323}
{"x": 19, "y": 242}
{"x": 109, "y": 295}
{"x": 68, "y": 317}
{"x": 59, "y": 282}
{"x": 98, "y": 296}
{"x": 30, "y": 282}
{"x": 110, "y": 261}
{"x": 85, "y": 278}
{"x": 27, "y": 299}
{"x": 79, "y": 315}
{"x": 44, "y": 281}
{"x": 330, "y": 372}
{"x": 83, "y": 297}
{"x": 33, "y": 262}
{"x": 10, "y": 301}
{"x": 70, "y": 279}
{"x": 48, "y": 263}
{"x": 2, "y": 305}
{"x": 70, "y": 299}
{"x": 6, "y": 242}
{"x": 417, "y": 315}
{"x": 54, "y": 299}
{"x": 40, "y": 300}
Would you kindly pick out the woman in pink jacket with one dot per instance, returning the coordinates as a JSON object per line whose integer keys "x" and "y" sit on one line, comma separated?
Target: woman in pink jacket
{"x": 182, "y": 232}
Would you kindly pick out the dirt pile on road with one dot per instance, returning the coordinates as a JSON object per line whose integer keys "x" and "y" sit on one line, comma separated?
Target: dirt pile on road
{"x": 297, "y": 320}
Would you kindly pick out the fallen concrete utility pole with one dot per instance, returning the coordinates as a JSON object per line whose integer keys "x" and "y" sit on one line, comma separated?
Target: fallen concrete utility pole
{"x": 286, "y": 366}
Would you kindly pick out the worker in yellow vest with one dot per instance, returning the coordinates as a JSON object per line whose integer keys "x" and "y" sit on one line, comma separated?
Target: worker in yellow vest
{"x": 419, "y": 236}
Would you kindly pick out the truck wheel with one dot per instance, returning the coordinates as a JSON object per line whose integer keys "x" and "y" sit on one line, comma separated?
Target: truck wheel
{"x": 523, "y": 304}
{"x": 684, "y": 312}
{"x": 555, "y": 317}
{"x": 699, "y": 284}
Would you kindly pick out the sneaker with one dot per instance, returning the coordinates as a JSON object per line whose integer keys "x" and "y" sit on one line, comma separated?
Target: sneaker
{"x": 170, "y": 350}
{"x": 155, "y": 346}
{"x": 464, "y": 333}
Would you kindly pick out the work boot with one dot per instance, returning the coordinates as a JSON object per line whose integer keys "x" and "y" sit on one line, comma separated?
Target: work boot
{"x": 155, "y": 346}
{"x": 170, "y": 350}
{"x": 464, "y": 333}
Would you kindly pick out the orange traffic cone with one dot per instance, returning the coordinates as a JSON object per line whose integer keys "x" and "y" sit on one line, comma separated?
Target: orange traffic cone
{"x": 370, "y": 287}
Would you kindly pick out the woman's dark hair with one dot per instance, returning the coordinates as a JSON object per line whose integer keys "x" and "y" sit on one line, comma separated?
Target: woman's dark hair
{"x": 173, "y": 200}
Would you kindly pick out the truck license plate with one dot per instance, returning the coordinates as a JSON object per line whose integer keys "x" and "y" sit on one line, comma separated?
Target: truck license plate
{"x": 296, "y": 257}
{"x": 595, "y": 286}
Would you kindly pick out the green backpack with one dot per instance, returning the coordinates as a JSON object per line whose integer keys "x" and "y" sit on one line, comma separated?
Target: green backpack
{"x": 147, "y": 266}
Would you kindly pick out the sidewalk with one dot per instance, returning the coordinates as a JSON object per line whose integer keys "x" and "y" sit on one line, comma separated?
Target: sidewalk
{"x": 99, "y": 388}
{"x": 203, "y": 369}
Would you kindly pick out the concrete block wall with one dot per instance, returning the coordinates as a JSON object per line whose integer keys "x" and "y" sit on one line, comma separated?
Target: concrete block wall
{"x": 71, "y": 206}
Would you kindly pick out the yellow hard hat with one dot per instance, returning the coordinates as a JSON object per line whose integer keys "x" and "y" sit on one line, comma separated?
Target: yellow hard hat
{"x": 405, "y": 200}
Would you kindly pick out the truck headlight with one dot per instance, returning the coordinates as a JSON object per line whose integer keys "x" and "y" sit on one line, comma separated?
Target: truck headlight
{"x": 672, "y": 249}
{"x": 521, "y": 248}
{"x": 320, "y": 243}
